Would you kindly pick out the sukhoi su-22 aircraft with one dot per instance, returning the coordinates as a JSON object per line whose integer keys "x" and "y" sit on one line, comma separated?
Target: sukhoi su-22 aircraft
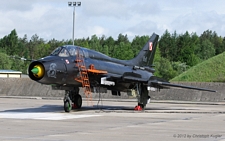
{"x": 70, "y": 67}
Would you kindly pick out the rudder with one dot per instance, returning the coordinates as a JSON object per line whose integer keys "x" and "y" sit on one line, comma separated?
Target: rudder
{"x": 146, "y": 55}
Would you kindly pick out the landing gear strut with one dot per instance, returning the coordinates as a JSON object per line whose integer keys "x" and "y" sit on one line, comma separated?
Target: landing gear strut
{"x": 72, "y": 99}
{"x": 143, "y": 97}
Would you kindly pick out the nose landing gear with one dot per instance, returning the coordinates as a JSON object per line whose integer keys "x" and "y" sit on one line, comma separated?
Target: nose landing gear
{"x": 67, "y": 105}
{"x": 72, "y": 99}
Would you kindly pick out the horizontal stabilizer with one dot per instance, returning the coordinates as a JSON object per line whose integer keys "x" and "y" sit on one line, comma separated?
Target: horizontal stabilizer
{"x": 167, "y": 84}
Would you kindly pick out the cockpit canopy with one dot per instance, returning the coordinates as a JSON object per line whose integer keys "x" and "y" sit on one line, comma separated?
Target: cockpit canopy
{"x": 65, "y": 51}
{"x": 69, "y": 50}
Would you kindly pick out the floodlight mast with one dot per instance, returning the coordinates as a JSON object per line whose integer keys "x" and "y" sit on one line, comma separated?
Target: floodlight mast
{"x": 74, "y": 4}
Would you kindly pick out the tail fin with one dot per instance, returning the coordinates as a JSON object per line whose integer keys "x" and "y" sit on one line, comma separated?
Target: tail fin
{"x": 146, "y": 55}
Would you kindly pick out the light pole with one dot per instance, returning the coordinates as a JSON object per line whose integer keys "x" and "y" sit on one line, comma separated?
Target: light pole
{"x": 74, "y": 4}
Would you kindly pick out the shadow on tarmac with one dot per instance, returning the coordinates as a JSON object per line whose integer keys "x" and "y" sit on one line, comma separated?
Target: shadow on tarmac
{"x": 60, "y": 109}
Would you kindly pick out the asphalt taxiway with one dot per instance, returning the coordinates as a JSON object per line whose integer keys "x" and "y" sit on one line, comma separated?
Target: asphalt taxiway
{"x": 38, "y": 119}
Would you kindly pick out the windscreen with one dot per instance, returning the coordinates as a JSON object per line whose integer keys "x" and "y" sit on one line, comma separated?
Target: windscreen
{"x": 56, "y": 51}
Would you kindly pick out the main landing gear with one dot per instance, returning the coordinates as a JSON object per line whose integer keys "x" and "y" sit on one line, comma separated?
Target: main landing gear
{"x": 72, "y": 99}
{"x": 143, "y": 97}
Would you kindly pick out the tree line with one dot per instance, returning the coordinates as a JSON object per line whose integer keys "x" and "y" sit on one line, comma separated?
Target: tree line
{"x": 175, "y": 53}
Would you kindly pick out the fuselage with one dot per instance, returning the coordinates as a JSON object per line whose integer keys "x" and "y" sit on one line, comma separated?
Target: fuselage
{"x": 60, "y": 68}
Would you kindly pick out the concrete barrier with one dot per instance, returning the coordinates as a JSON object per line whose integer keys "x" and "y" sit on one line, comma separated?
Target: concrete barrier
{"x": 193, "y": 95}
{"x": 27, "y": 87}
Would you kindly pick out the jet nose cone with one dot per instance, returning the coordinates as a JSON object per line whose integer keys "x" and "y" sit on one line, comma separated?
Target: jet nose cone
{"x": 35, "y": 70}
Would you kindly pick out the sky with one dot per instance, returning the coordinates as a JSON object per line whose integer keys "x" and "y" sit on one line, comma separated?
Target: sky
{"x": 54, "y": 18}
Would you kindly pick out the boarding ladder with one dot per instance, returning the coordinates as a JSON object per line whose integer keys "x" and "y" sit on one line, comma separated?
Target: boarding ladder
{"x": 83, "y": 74}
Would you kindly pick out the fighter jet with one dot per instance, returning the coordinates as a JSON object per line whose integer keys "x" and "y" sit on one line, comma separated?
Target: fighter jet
{"x": 71, "y": 67}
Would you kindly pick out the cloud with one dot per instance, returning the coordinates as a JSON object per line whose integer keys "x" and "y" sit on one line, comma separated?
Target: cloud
{"x": 111, "y": 8}
{"x": 15, "y": 5}
{"x": 146, "y": 27}
{"x": 47, "y": 21}
{"x": 199, "y": 22}
{"x": 53, "y": 18}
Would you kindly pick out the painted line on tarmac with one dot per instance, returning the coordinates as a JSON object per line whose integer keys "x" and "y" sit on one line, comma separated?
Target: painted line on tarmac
{"x": 42, "y": 116}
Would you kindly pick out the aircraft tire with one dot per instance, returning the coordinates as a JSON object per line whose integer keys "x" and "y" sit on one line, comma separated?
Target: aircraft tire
{"x": 78, "y": 101}
{"x": 67, "y": 106}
